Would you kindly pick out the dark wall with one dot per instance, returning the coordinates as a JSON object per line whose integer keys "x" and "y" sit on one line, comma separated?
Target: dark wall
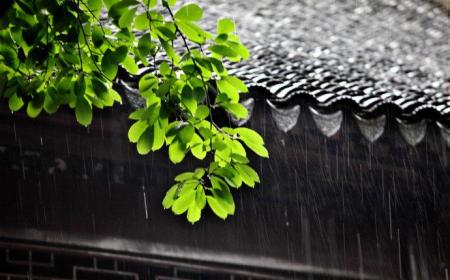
{"x": 338, "y": 203}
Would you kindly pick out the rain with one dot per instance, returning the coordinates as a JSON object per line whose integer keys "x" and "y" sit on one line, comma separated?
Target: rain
{"x": 356, "y": 186}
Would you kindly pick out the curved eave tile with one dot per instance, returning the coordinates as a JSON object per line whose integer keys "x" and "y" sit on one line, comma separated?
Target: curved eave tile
{"x": 413, "y": 133}
{"x": 328, "y": 124}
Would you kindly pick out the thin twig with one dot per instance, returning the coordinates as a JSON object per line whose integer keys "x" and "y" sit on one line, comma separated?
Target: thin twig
{"x": 197, "y": 68}
{"x": 90, "y": 50}
{"x": 78, "y": 41}
{"x": 98, "y": 20}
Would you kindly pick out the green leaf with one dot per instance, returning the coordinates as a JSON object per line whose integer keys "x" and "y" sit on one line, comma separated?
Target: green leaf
{"x": 173, "y": 56}
{"x": 169, "y": 3}
{"x": 177, "y": 151}
{"x": 184, "y": 176}
{"x": 249, "y": 135}
{"x": 34, "y": 107}
{"x": 189, "y": 186}
{"x": 109, "y": 3}
{"x": 137, "y": 115}
{"x": 223, "y": 50}
{"x": 186, "y": 133}
{"x": 97, "y": 36}
{"x": 231, "y": 86}
{"x": 15, "y": 102}
{"x": 225, "y": 26}
{"x": 120, "y": 7}
{"x": 237, "y": 109}
{"x": 141, "y": 22}
{"x": 130, "y": 65}
{"x": 199, "y": 173}
{"x": 169, "y": 198}
{"x": 216, "y": 207}
{"x": 236, "y": 83}
{"x": 148, "y": 83}
{"x": 145, "y": 142}
{"x": 126, "y": 19}
{"x": 10, "y": 58}
{"x": 80, "y": 86}
{"x": 182, "y": 203}
{"x": 231, "y": 176}
{"x": 166, "y": 32}
{"x": 239, "y": 158}
{"x": 260, "y": 150}
{"x": 172, "y": 130}
{"x": 164, "y": 69}
{"x": 219, "y": 144}
{"x": 115, "y": 95}
{"x": 192, "y": 31}
{"x": 151, "y": 3}
{"x": 109, "y": 67}
{"x": 253, "y": 140}
{"x": 188, "y": 100}
{"x": 159, "y": 136}
{"x": 200, "y": 197}
{"x": 237, "y": 148}
{"x": 239, "y": 49}
{"x": 189, "y": 12}
{"x": 50, "y": 105}
{"x": 95, "y": 6}
{"x": 99, "y": 88}
{"x": 248, "y": 174}
{"x": 83, "y": 111}
{"x": 136, "y": 130}
{"x": 120, "y": 54}
{"x": 197, "y": 147}
{"x": 26, "y": 7}
{"x": 205, "y": 132}
{"x": 221, "y": 39}
{"x": 145, "y": 45}
{"x": 202, "y": 112}
{"x": 217, "y": 65}
{"x": 194, "y": 213}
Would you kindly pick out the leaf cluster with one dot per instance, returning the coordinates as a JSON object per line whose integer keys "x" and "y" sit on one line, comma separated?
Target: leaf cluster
{"x": 57, "y": 53}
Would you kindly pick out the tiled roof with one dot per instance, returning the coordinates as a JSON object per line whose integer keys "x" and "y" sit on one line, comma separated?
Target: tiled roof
{"x": 370, "y": 53}
{"x": 385, "y": 60}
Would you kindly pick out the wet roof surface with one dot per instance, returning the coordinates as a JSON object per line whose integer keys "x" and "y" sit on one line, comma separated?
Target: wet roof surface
{"x": 372, "y": 54}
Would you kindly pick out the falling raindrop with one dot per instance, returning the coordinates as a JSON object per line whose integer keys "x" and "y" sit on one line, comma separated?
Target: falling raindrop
{"x": 15, "y": 131}
{"x": 390, "y": 215}
{"x": 101, "y": 127}
{"x": 286, "y": 216}
{"x": 399, "y": 254}
{"x": 94, "y": 227}
{"x": 92, "y": 164}
{"x": 20, "y": 146}
{"x": 360, "y": 256}
{"x": 145, "y": 202}
{"x": 67, "y": 144}
{"x": 23, "y": 170}
{"x": 84, "y": 174}
{"x": 108, "y": 180}
{"x": 413, "y": 264}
